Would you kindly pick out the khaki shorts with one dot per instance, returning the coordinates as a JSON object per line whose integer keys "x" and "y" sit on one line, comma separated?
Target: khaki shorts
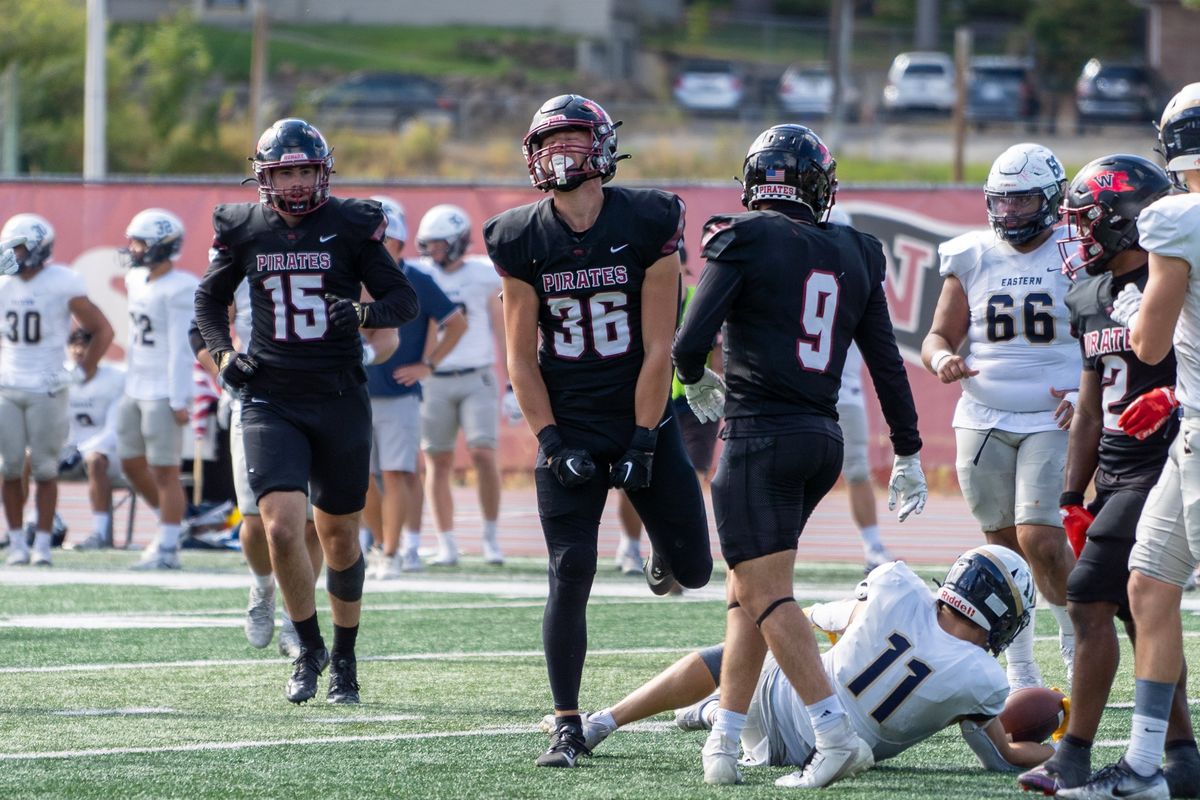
{"x": 148, "y": 428}
{"x": 396, "y": 433}
{"x": 37, "y": 421}
{"x": 1011, "y": 478}
{"x": 853, "y": 419}
{"x": 468, "y": 400}
{"x": 1168, "y": 532}
{"x": 241, "y": 476}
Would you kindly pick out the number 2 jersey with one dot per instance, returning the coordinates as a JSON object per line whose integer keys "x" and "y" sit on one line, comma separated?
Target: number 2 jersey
{"x": 590, "y": 287}
{"x": 36, "y": 321}
{"x": 1020, "y": 339}
{"x": 900, "y": 677}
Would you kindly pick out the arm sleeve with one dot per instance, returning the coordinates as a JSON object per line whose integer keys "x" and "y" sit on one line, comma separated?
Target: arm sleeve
{"x": 719, "y": 285}
{"x": 213, "y": 297}
{"x": 976, "y": 736}
{"x": 395, "y": 301}
{"x": 179, "y": 351}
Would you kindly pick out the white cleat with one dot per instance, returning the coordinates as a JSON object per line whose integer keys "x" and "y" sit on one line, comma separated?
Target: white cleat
{"x": 593, "y": 732}
{"x": 18, "y": 555}
{"x": 410, "y": 561}
{"x": 391, "y": 567}
{"x": 831, "y": 764}
{"x": 629, "y": 563}
{"x": 491, "y": 552}
{"x": 157, "y": 558}
{"x": 289, "y": 640}
{"x": 1023, "y": 674}
{"x": 260, "y": 617}
{"x": 97, "y": 541}
{"x": 698, "y": 716}
{"x": 720, "y": 757}
{"x": 41, "y": 555}
{"x": 447, "y": 556}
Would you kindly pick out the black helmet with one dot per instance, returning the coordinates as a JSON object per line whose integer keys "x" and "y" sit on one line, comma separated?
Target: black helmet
{"x": 571, "y": 112}
{"x": 790, "y": 162}
{"x": 1101, "y": 209}
{"x": 291, "y": 143}
{"x": 991, "y": 586}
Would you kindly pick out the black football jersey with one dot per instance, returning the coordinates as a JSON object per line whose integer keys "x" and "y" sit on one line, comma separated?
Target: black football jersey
{"x": 793, "y": 294}
{"x": 590, "y": 286}
{"x": 1106, "y": 350}
{"x": 336, "y": 250}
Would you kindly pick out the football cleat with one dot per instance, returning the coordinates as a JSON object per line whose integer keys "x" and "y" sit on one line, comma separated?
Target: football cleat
{"x": 698, "y": 716}
{"x": 447, "y": 553}
{"x": 1120, "y": 781}
{"x": 832, "y": 763}
{"x": 629, "y": 563}
{"x": 1049, "y": 778}
{"x": 566, "y": 746}
{"x": 593, "y": 732}
{"x": 97, "y": 541}
{"x": 41, "y": 554}
{"x": 343, "y": 681}
{"x": 302, "y": 686}
{"x": 289, "y": 640}
{"x": 410, "y": 561}
{"x": 260, "y": 617}
{"x": 18, "y": 554}
{"x": 719, "y": 756}
{"x": 390, "y": 567}
{"x": 1023, "y": 674}
{"x": 658, "y": 574}
{"x": 491, "y": 551}
{"x": 158, "y": 558}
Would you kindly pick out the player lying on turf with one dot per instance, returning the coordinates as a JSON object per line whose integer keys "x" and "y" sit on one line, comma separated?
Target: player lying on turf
{"x": 904, "y": 663}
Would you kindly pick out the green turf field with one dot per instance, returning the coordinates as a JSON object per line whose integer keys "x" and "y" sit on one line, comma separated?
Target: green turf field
{"x": 124, "y": 690}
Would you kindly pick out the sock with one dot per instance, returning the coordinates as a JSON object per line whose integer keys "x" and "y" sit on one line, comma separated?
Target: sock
{"x": 1066, "y": 629}
{"x": 1151, "y": 706}
{"x": 870, "y": 537}
{"x": 263, "y": 581}
{"x": 1021, "y": 649}
{"x": 309, "y": 632}
{"x": 17, "y": 539}
{"x": 568, "y": 721}
{"x": 1073, "y": 759}
{"x": 41, "y": 540}
{"x": 489, "y": 529}
{"x": 446, "y": 541}
{"x": 826, "y": 715}
{"x": 101, "y": 520}
{"x": 729, "y": 724}
{"x": 629, "y": 547}
{"x": 344, "y": 640}
{"x": 168, "y": 539}
{"x": 604, "y": 719}
{"x": 412, "y": 540}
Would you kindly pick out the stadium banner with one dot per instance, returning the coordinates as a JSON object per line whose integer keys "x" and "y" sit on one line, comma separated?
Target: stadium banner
{"x": 90, "y": 220}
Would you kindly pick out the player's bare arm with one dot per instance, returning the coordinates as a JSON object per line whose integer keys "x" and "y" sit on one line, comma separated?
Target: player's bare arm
{"x": 1161, "y": 303}
{"x": 951, "y": 320}
{"x": 520, "y": 330}
{"x": 92, "y": 319}
{"x": 1083, "y": 446}
{"x": 660, "y": 299}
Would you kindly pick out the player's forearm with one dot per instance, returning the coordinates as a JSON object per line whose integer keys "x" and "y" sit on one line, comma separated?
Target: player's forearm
{"x": 395, "y": 302}
{"x": 1083, "y": 447}
{"x": 653, "y": 388}
{"x": 212, "y": 318}
{"x": 530, "y": 389}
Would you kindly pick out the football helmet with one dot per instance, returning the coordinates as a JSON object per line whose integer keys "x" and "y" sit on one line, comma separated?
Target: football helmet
{"x": 292, "y": 142}
{"x": 790, "y": 162}
{"x": 992, "y": 587}
{"x": 39, "y": 239}
{"x": 571, "y": 165}
{"x": 1025, "y": 170}
{"x": 1101, "y": 209}
{"x": 445, "y": 223}
{"x": 1179, "y": 132}
{"x": 397, "y": 224}
{"x": 162, "y": 232}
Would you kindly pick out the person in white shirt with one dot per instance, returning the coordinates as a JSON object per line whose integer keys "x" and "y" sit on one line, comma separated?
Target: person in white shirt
{"x": 461, "y": 391}
{"x": 37, "y": 304}
{"x": 1004, "y": 293}
{"x": 158, "y": 383}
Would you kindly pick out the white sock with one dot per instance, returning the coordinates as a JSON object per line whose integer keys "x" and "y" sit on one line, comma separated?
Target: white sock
{"x": 168, "y": 539}
{"x": 870, "y": 537}
{"x": 729, "y": 724}
{"x": 630, "y": 547}
{"x": 446, "y": 540}
{"x": 1146, "y": 742}
{"x": 17, "y": 540}
{"x": 41, "y": 540}
{"x": 1021, "y": 649}
{"x": 604, "y": 719}
{"x": 101, "y": 520}
{"x": 489, "y": 529}
{"x": 1066, "y": 629}
{"x": 412, "y": 540}
{"x": 263, "y": 581}
{"x": 826, "y": 715}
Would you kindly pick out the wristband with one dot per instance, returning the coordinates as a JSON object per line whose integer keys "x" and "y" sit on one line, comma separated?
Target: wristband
{"x": 938, "y": 358}
{"x": 550, "y": 440}
{"x": 1070, "y": 499}
{"x": 644, "y": 439}
{"x": 368, "y": 355}
{"x": 429, "y": 363}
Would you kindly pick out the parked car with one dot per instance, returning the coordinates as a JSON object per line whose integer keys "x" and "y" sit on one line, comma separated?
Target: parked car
{"x": 382, "y": 100}
{"x": 806, "y": 90}
{"x": 1000, "y": 89}
{"x": 920, "y": 82}
{"x": 709, "y": 86}
{"x": 1117, "y": 92}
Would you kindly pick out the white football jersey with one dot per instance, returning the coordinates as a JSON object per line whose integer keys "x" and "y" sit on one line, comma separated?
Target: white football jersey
{"x": 900, "y": 677}
{"x": 36, "y": 320}
{"x": 1171, "y": 227}
{"x": 851, "y": 391}
{"x": 1019, "y": 335}
{"x": 158, "y": 356}
{"x": 93, "y": 408}
{"x": 470, "y": 287}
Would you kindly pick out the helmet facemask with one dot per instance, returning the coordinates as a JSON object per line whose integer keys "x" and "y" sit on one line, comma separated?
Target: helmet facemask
{"x": 292, "y": 143}
{"x": 284, "y": 198}
{"x": 1090, "y": 243}
{"x": 1019, "y": 228}
{"x": 564, "y": 166}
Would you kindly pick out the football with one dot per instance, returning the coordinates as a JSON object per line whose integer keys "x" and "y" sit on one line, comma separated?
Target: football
{"x": 1032, "y": 714}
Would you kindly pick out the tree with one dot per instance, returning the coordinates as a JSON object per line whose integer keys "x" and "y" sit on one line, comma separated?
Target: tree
{"x": 1066, "y": 33}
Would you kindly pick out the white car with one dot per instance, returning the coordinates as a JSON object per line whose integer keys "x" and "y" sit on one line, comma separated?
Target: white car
{"x": 713, "y": 86}
{"x": 807, "y": 90}
{"x": 920, "y": 81}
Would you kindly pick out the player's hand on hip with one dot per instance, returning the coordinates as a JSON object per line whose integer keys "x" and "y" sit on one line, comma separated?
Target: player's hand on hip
{"x": 236, "y": 369}
{"x": 950, "y": 367}
{"x": 8, "y": 259}
{"x": 181, "y": 416}
{"x": 706, "y": 397}
{"x": 512, "y": 409}
{"x": 1126, "y": 305}
{"x": 907, "y": 488}
{"x": 632, "y": 471}
{"x": 572, "y": 466}
{"x": 1146, "y": 415}
{"x": 1065, "y": 412}
{"x": 345, "y": 315}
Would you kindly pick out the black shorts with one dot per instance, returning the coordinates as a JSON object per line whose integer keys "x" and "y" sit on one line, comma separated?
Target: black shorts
{"x": 767, "y": 487}
{"x": 699, "y": 438}
{"x": 671, "y": 507}
{"x": 320, "y": 442}
{"x": 1102, "y": 572}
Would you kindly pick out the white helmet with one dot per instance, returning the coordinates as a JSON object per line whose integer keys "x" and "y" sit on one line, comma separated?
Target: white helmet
{"x": 445, "y": 223}
{"x": 1179, "y": 131}
{"x": 162, "y": 232}
{"x": 992, "y": 587}
{"x": 1025, "y": 169}
{"x": 839, "y": 216}
{"x": 39, "y": 238}
{"x": 397, "y": 227}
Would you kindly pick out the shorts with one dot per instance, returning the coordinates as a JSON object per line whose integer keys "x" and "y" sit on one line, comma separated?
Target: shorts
{"x": 1168, "y": 532}
{"x": 778, "y": 730}
{"x": 37, "y": 421}
{"x": 247, "y": 505}
{"x": 852, "y": 417}
{"x": 301, "y": 443}
{"x": 767, "y": 487}
{"x": 148, "y": 428}
{"x": 699, "y": 438}
{"x": 466, "y": 399}
{"x": 1011, "y": 478}
{"x": 396, "y": 433}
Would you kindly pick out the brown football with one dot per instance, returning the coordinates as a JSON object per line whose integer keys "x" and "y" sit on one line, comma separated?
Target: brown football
{"x": 1032, "y": 714}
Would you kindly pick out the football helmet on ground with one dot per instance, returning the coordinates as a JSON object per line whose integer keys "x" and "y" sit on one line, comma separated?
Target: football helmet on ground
{"x": 162, "y": 233}
{"x": 1024, "y": 190}
{"x": 292, "y": 143}
{"x": 565, "y": 166}
{"x": 791, "y": 163}
{"x": 991, "y": 586}
{"x": 39, "y": 239}
{"x": 444, "y": 223}
{"x": 1179, "y": 131}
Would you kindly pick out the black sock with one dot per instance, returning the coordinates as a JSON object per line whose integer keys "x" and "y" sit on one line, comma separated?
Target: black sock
{"x": 568, "y": 721}
{"x": 343, "y": 641}
{"x": 1073, "y": 759}
{"x": 309, "y": 632}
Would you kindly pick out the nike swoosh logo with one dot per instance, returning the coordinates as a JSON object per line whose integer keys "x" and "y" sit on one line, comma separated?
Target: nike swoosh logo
{"x": 628, "y": 472}
{"x": 571, "y": 466}
{"x": 325, "y": 239}
{"x": 256, "y": 400}
{"x": 618, "y": 248}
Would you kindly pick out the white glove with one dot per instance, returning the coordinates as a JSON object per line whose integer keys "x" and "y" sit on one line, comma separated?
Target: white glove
{"x": 512, "y": 409}
{"x": 8, "y": 259}
{"x": 69, "y": 375}
{"x": 1126, "y": 305}
{"x": 368, "y": 357}
{"x": 907, "y": 486}
{"x": 706, "y": 397}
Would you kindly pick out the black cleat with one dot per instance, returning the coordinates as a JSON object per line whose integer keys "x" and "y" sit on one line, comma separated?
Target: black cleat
{"x": 343, "y": 681}
{"x": 1181, "y": 768}
{"x": 658, "y": 574}
{"x": 302, "y": 686}
{"x": 566, "y": 746}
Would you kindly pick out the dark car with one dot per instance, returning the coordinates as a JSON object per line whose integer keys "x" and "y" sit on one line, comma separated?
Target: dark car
{"x": 1117, "y": 92}
{"x": 1000, "y": 89}
{"x": 382, "y": 100}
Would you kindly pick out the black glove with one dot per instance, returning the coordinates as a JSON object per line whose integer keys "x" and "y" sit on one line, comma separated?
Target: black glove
{"x": 572, "y": 466}
{"x": 236, "y": 369}
{"x": 631, "y": 471}
{"x": 345, "y": 315}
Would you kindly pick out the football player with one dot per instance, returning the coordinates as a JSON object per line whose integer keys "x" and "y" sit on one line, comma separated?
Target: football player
{"x": 306, "y": 416}
{"x": 1162, "y": 557}
{"x": 591, "y": 292}
{"x": 1004, "y": 294}
{"x": 792, "y": 292}
{"x": 38, "y": 301}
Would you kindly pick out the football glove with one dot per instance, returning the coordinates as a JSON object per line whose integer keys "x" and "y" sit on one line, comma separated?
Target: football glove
{"x": 906, "y": 487}
{"x": 1076, "y": 520}
{"x": 706, "y": 397}
{"x": 1146, "y": 415}
{"x": 1126, "y": 305}
{"x": 572, "y": 466}
{"x": 8, "y": 259}
{"x": 512, "y": 409}
{"x": 632, "y": 471}
{"x": 236, "y": 369}
{"x": 368, "y": 356}
{"x": 346, "y": 315}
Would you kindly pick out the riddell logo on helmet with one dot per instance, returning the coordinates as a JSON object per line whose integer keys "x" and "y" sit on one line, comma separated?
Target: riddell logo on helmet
{"x": 1114, "y": 181}
{"x": 957, "y": 603}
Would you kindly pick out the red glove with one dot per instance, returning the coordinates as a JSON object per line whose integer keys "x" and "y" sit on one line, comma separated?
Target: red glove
{"x": 1148, "y": 413}
{"x": 1076, "y": 520}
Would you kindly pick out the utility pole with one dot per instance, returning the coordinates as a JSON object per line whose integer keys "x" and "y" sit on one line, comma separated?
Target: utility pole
{"x": 925, "y": 36}
{"x": 841, "y": 38}
{"x": 10, "y": 159}
{"x": 258, "y": 68}
{"x": 962, "y": 58}
{"x": 95, "y": 110}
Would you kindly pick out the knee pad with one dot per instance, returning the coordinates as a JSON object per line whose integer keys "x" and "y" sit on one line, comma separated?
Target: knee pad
{"x": 347, "y": 584}
{"x": 771, "y": 608}
{"x": 711, "y": 656}
{"x": 575, "y": 563}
